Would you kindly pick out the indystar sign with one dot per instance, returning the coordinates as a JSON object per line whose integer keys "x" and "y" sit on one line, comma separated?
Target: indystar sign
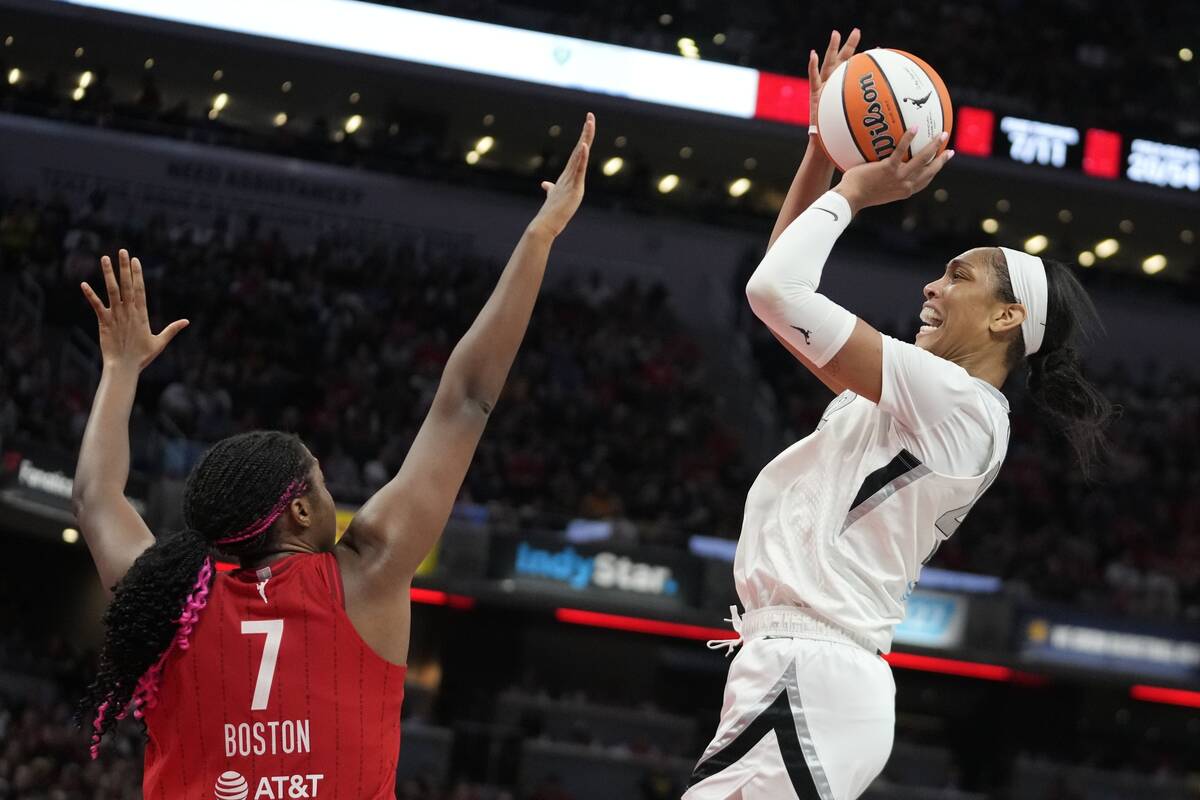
{"x": 603, "y": 570}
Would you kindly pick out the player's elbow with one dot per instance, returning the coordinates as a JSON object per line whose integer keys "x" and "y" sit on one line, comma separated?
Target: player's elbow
{"x": 764, "y": 296}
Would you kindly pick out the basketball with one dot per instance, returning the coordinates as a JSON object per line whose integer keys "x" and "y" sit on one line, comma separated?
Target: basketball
{"x": 871, "y": 99}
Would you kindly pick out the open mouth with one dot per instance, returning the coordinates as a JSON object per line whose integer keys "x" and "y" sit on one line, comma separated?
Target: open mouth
{"x": 930, "y": 319}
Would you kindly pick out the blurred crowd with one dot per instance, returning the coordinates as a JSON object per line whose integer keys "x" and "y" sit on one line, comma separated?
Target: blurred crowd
{"x": 608, "y": 413}
{"x": 1126, "y": 54}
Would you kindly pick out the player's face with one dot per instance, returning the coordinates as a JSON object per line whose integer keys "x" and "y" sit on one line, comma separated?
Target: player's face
{"x": 958, "y": 306}
{"x": 324, "y": 526}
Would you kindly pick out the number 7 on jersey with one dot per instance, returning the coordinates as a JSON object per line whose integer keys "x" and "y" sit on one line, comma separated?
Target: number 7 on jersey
{"x": 273, "y": 628}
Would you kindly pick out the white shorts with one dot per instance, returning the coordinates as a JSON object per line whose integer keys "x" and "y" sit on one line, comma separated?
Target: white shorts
{"x": 808, "y": 715}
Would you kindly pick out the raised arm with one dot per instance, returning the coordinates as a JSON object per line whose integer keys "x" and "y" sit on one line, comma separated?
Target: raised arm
{"x": 115, "y": 534}
{"x": 815, "y": 175}
{"x": 783, "y": 290}
{"x": 394, "y": 531}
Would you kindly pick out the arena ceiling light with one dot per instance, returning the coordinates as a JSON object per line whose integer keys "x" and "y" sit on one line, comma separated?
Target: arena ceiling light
{"x": 383, "y": 31}
{"x": 485, "y": 144}
{"x": 1154, "y": 264}
{"x": 148, "y": 63}
{"x": 1065, "y": 215}
{"x": 613, "y": 166}
{"x": 70, "y": 535}
{"x": 78, "y": 93}
{"x": 85, "y": 79}
{"x": 473, "y": 157}
{"x": 353, "y": 123}
{"x": 1185, "y": 54}
{"x": 14, "y": 75}
{"x": 280, "y": 119}
{"x": 1036, "y": 244}
{"x": 220, "y": 101}
{"x": 739, "y": 187}
{"x": 688, "y": 48}
{"x": 1107, "y": 248}
{"x": 1087, "y": 258}
{"x": 668, "y": 183}
{"x": 989, "y": 225}
{"x": 1187, "y": 236}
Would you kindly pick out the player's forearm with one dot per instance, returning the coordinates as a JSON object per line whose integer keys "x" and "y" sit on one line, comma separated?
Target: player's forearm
{"x": 783, "y": 290}
{"x": 481, "y": 361}
{"x": 812, "y": 180}
{"x": 103, "y": 466}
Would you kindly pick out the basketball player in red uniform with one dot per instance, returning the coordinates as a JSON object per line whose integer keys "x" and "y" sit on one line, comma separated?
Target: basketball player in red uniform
{"x": 284, "y": 678}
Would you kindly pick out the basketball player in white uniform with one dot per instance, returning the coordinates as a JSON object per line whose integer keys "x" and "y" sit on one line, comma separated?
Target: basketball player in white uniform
{"x": 836, "y": 528}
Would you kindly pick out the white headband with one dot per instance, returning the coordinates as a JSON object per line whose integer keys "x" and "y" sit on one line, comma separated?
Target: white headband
{"x": 1028, "y": 276}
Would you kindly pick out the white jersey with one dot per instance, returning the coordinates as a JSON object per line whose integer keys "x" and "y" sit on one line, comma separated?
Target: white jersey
{"x": 842, "y": 521}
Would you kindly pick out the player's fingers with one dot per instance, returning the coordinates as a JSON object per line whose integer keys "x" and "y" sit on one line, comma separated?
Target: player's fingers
{"x": 581, "y": 165}
{"x": 110, "y": 281}
{"x": 589, "y": 129}
{"x": 835, "y": 41}
{"x": 930, "y": 170}
{"x": 93, "y": 300}
{"x": 814, "y": 70}
{"x": 139, "y": 285}
{"x": 547, "y": 186}
{"x": 926, "y": 154}
{"x": 125, "y": 276}
{"x": 171, "y": 331}
{"x": 902, "y": 146}
{"x": 850, "y": 46}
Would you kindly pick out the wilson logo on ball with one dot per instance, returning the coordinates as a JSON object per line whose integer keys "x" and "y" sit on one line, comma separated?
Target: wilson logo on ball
{"x": 873, "y": 120}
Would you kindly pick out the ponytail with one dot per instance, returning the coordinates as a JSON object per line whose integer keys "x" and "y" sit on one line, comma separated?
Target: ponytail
{"x": 153, "y": 610}
{"x": 1055, "y": 380}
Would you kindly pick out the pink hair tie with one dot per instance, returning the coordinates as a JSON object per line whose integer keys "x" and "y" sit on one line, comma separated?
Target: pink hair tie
{"x": 294, "y": 490}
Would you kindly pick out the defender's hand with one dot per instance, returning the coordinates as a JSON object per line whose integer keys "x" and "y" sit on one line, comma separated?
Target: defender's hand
{"x": 564, "y": 195}
{"x": 125, "y": 336}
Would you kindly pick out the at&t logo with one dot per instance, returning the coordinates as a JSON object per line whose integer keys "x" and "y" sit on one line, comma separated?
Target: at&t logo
{"x": 233, "y": 786}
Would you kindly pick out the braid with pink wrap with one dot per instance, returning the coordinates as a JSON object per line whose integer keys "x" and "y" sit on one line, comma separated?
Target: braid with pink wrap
{"x": 233, "y": 497}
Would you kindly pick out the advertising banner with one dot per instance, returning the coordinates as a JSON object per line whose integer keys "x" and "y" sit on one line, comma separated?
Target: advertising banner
{"x": 601, "y": 570}
{"x": 38, "y": 478}
{"x": 934, "y": 619}
{"x": 1114, "y": 645}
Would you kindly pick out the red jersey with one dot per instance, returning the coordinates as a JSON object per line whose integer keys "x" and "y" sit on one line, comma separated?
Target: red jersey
{"x": 276, "y": 697}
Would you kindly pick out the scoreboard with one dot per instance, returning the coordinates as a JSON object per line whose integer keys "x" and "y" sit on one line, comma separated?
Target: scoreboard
{"x": 1098, "y": 153}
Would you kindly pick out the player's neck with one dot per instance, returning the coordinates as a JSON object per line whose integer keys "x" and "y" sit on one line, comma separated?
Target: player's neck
{"x": 278, "y": 552}
{"x": 984, "y": 367}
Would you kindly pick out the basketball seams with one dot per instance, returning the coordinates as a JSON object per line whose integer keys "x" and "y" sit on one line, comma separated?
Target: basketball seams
{"x": 846, "y": 113}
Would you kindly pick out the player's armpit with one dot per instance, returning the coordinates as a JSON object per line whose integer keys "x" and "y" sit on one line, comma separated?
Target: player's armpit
{"x": 831, "y": 382}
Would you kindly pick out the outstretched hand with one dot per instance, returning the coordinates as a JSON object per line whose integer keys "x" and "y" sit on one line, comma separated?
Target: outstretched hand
{"x": 125, "y": 336}
{"x": 819, "y": 71}
{"x": 564, "y": 195}
{"x": 894, "y": 178}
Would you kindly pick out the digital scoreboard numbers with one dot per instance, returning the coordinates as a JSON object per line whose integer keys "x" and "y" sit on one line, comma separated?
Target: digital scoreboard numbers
{"x": 1032, "y": 142}
{"x": 1166, "y": 165}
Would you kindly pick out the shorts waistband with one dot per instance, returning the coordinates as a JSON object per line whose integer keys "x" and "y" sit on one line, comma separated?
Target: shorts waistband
{"x": 790, "y": 622}
{"x": 798, "y": 623}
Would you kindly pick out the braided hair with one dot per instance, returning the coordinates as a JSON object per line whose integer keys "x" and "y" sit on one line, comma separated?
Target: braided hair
{"x": 1055, "y": 379}
{"x": 232, "y": 498}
